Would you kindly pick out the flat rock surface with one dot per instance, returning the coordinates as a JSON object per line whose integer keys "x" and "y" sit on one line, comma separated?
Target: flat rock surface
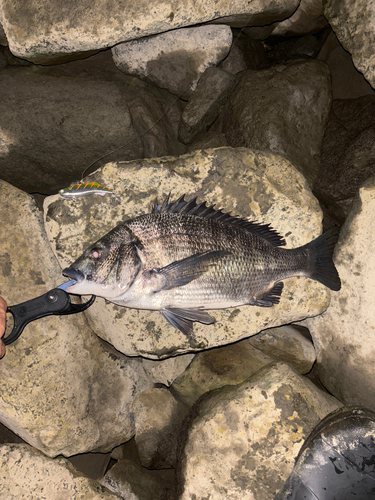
{"x": 260, "y": 186}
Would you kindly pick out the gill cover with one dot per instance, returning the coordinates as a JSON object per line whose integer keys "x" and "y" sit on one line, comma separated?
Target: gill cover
{"x": 110, "y": 264}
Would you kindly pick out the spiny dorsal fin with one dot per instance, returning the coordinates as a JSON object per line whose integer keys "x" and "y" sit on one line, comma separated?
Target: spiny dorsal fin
{"x": 191, "y": 207}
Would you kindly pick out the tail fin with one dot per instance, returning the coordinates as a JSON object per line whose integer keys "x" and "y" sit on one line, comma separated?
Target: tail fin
{"x": 323, "y": 268}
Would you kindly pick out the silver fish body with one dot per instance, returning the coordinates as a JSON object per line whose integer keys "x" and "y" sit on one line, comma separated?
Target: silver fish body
{"x": 185, "y": 258}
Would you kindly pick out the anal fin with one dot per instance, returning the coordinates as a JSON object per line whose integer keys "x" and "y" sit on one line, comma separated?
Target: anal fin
{"x": 270, "y": 298}
{"x": 182, "y": 319}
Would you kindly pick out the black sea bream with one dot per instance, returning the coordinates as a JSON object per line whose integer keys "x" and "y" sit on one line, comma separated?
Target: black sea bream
{"x": 184, "y": 258}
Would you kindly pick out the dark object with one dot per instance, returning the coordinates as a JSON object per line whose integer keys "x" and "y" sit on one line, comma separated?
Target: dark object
{"x": 56, "y": 301}
{"x": 337, "y": 460}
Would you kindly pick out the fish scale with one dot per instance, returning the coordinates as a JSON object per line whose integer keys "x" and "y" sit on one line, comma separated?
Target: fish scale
{"x": 184, "y": 258}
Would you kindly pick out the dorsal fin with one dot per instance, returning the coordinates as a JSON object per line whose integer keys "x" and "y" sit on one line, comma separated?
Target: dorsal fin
{"x": 191, "y": 207}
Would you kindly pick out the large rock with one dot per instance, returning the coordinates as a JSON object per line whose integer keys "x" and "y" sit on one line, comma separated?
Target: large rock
{"x": 261, "y": 186}
{"x": 354, "y": 24}
{"x": 96, "y": 25}
{"x": 53, "y": 126}
{"x": 344, "y": 334}
{"x": 283, "y": 109}
{"x": 61, "y": 389}
{"x": 27, "y": 474}
{"x": 175, "y": 60}
{"x": 244, "y": 439}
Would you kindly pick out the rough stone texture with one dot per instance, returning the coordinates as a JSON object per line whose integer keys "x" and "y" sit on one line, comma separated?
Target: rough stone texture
{"x": 347, "y": 81}
{"x": 213, "y": 90}
{"x": 27, "y": 474}
{"x": 244, "y": 439}
{"x": 348, "y": 154}
{"x": 175, "y": 60}
{"x": 344, "y": 335}
{"x": 55, "y": 125}
{"x": 215, "y": 368}
{"x": 308, "y": 18}
{"x": 288, "y": 344}
{"x": 158, "y": 417}
{"x": 166, "y": 370}
{"x": 61, "y": 389}
{"x": 353, "y": 22}
{"x": 261, "y": 186}
{"x": 283, "y": 109}
{"x": 128, "y": 481}
{"x": 59, "y": 28}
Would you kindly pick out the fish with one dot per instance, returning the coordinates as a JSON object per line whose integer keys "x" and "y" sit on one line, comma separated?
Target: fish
{"x": 84, "y": 189}
{"x": 184, "y": 258}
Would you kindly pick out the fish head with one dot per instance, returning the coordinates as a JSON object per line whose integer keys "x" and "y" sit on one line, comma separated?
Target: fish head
{"x": 108, "y": 267}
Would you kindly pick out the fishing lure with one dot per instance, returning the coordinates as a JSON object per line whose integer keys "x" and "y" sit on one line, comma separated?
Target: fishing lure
{"x": 78, "y": 190}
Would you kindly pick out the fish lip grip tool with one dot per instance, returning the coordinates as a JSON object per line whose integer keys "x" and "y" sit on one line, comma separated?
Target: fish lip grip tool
{"x": 56, "y": 301}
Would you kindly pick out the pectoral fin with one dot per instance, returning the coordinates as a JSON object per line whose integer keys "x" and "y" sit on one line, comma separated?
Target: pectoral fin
{"x": 270, "y": 298}
{"x": 184, "y": 271}
{"x": 182, "y": 319}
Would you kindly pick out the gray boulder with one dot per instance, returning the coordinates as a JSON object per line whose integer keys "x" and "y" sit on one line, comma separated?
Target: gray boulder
{"x": 283, "y": 109}
{"x": 243, "y": 440}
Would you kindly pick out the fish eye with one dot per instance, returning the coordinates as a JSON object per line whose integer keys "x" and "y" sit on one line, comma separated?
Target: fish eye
{"x": 95, "y": 254}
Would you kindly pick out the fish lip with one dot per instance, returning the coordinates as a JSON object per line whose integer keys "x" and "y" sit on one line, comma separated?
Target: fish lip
{"x": 74, "y": 274}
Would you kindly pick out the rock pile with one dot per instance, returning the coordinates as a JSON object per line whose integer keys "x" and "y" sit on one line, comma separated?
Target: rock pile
{"x": 253, "y": 106}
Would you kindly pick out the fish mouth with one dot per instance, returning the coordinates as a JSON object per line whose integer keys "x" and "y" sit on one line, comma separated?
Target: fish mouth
{"x": 74, "y": 274}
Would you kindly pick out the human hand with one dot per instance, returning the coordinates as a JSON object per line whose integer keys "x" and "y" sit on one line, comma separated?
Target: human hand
{"x": 3, "y": 319}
